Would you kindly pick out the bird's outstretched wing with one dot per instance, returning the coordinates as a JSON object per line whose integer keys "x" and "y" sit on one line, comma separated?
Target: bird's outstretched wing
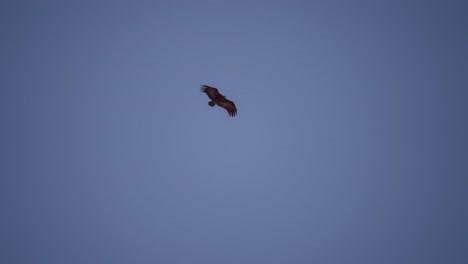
{"x": 212, "y": 92}
{"x": 229, "y": 106}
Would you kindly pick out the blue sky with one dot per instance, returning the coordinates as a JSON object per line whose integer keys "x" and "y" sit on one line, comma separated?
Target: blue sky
{"x": 349, "y": 145}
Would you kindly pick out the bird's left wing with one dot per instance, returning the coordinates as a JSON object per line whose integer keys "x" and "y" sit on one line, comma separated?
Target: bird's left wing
{"x": 229, "y": 106}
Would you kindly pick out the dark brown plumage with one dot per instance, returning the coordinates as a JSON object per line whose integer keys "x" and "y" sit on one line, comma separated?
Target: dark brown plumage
{"x": 219, "y": 99}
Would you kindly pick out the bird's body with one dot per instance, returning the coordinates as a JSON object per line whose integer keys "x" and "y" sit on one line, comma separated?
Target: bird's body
{"x": 219, "y": 99}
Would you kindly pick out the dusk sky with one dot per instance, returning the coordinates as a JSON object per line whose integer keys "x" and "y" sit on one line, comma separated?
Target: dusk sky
{"x": 350, "y": 144}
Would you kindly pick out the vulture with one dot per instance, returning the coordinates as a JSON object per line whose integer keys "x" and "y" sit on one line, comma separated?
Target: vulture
{"x": 219, "y": 99}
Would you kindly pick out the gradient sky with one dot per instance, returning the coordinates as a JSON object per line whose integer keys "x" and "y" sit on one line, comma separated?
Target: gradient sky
{"x": 350, "y": 144}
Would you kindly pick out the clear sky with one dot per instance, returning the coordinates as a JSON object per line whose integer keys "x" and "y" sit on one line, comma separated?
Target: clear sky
{"x": 350, "y": 144}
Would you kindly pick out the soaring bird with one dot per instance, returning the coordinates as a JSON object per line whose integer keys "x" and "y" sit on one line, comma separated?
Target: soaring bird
{"x": 219, "y": 99}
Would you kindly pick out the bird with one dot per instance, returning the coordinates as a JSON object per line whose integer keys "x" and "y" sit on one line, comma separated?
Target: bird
{"x": 219, "y": 99}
